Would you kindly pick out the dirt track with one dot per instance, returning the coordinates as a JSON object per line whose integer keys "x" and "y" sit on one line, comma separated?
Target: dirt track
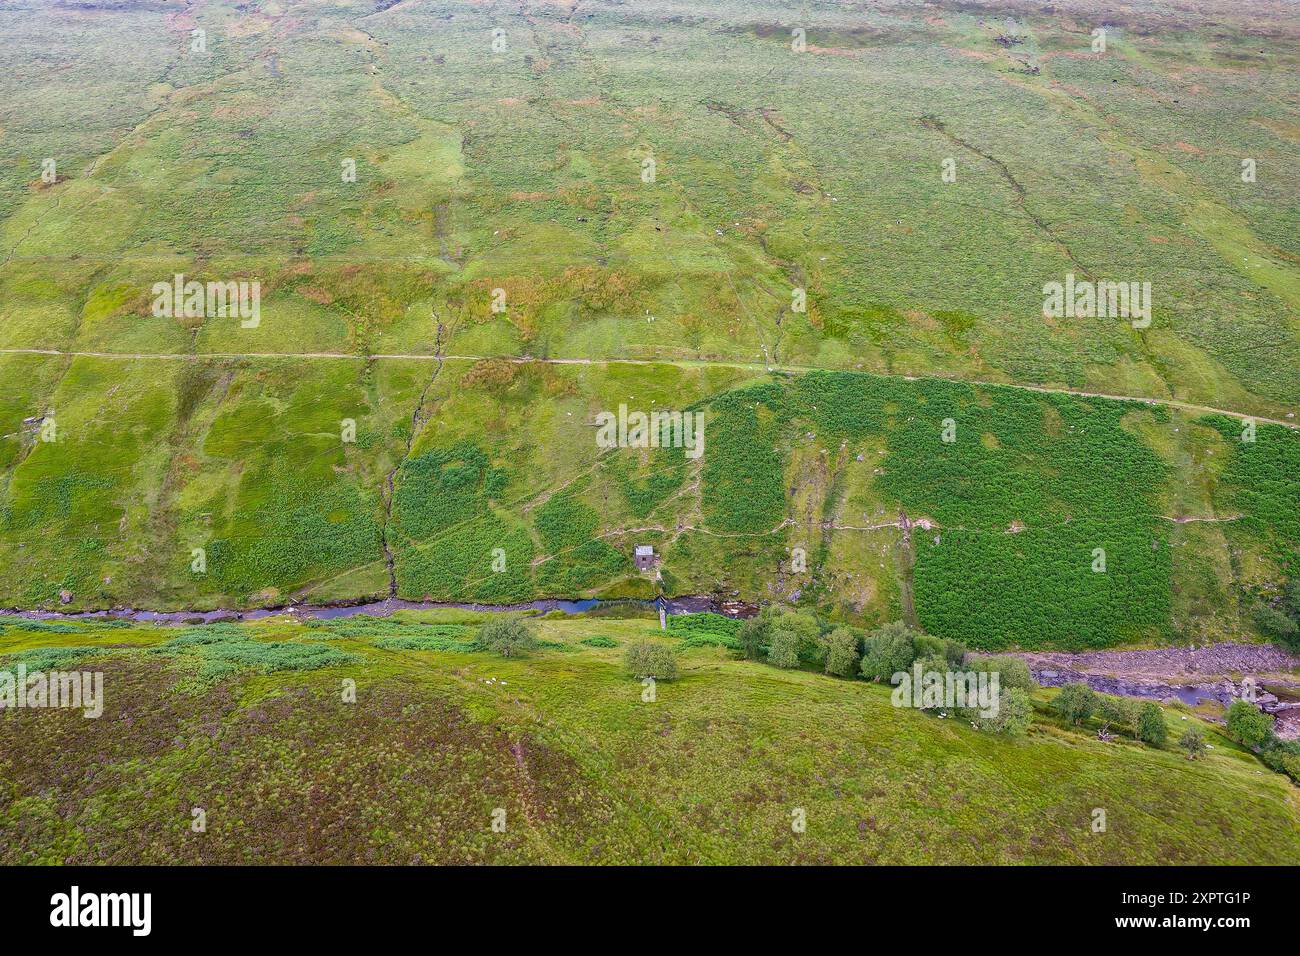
{"x": 756, "y": 366}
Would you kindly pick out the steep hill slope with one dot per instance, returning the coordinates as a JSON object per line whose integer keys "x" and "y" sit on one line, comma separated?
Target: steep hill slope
{"x": 664, "y": 201}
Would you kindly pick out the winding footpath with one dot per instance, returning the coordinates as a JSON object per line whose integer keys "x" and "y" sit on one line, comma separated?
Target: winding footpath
{"x": 682, "y": 363}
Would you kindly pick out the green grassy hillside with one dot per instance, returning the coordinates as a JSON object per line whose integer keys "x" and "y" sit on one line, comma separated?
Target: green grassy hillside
{"x": 249, "y": 724}
{"x": 246, "y": 464}
{"x": 369, "y": 437}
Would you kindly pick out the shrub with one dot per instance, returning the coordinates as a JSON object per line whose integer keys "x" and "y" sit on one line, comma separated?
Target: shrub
{"x": 887, "y": 650}
{"x": 431, "y": 642}
{"x": 1013, "y": 716}
{"x": 711, "y": 640}
{"x": 1122, "y": 711}
{"x": 365, "y": 626}
{"x": 1291, "y": 597}
{"x": 1193, "y": 741}
{"x": 925, "y": 645}
{"x": 1076, "y": 702}
{"x": 219, "y": 656}
{"x": 1151, "y": 727}
{"x": 599, "y": 641}
{"x": 754, "y": 635}
{"x": 809, "y": 644}
{"x": 49, "y": 658}
{"x": 507, "y": 636}
{"x": 715, "y": 627}
{"x": 1248, "y": 725}
{"x": 1283, "y": 756}
{"x": 842, "y": 652}
{"x": 1277, "y": 625}
{"x": 956, "y": 652}
{"x": 1011, "y": 671}
{"x": 649, "y": 659}
{"x": 783, "y": 648}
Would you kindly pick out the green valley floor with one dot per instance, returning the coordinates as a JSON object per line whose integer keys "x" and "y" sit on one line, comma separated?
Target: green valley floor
{"x": 255, "y": 726}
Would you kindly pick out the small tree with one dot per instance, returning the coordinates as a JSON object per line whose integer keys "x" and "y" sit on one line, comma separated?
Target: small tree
{"x": 754, "y": 635}
{"x": 926, "y": 645}
{"x": 650, "y": 659}
{"x": 1011, "y": 671}
{"x": 955, "y": 651}
{"x": 888, "y": 650}
{"x": 783, "y": 649}
{"x": 1116, "y": 710}
{"x": 507, "y": 636}
{"x": 1283, "y": 756}
{"x": 1248, "y": 725}
{"x": 842, "y": 652}
{"x": 933, "y": 664}
{"x": 1013, "y": 716}
{"x": 1151, "y": 727}
{"x": 1076, "y": 702}
{"x": 809, "y": 645}
{"x": 1277, "y": 625}
{"x": 1193, "y": 741}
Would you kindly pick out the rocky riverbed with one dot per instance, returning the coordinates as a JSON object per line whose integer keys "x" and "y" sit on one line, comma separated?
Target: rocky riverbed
{"x": 1218, "y": 673}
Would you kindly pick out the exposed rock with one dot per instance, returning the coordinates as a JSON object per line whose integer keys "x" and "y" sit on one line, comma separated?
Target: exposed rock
{"x": 1287, "y": 725}
{"x": 1119, "y": 687}
{"x": 1160, "y": 674}
{"x": 1211, "y": 662}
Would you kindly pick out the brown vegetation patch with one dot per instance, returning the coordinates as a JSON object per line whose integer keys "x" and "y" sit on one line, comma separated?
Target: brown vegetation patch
{"x": 493, "y": 374}
{"x": 401, "y": 776}
{"x": 319, "y": 296}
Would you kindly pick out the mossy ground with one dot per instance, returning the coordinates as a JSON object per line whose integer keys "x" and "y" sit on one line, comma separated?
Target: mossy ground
{"x": 587, "y": 771}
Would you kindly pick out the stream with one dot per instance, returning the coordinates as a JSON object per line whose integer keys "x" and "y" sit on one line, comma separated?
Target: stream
{"x": 688, "y": 604}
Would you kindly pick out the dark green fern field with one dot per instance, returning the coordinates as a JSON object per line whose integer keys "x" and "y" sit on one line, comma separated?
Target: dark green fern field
{"x": 647, "y": 190}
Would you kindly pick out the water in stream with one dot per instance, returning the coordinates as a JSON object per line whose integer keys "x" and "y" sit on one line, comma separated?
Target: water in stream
{"x": 681, "y": 605}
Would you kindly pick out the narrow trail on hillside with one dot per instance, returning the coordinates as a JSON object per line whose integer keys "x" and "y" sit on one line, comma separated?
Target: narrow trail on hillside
{"x": 418, "y": 420}
{"x": 906, "y": 566}
{"x": 438, "y": 357}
